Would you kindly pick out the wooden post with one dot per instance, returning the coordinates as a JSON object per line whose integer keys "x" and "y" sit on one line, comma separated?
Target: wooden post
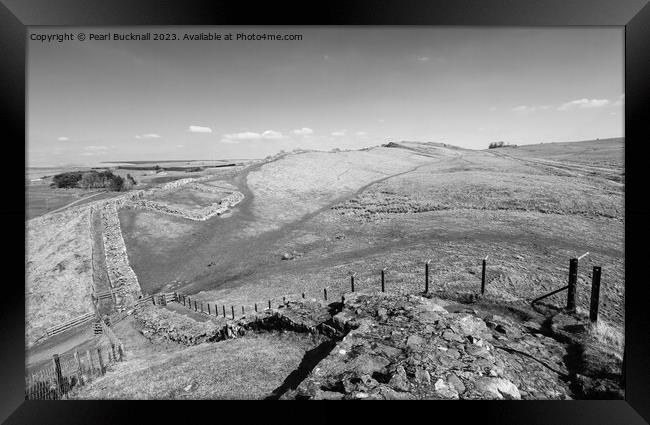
{"x": 208, "y": 309}
{"x": 224, "y": 310}
{"x": 90, "y": 362}
{"x": 352, "y": 282}
{"x": 113, "y": 351}
{"x": 595, "y": 295}
{"x": 284, "y": 300}
{"x": 120, "y": 351}
{"x": 426, "y": 276}
{"x": 57, "y": 371}
{"x": 483, "y": 276}
{"x": 325, "y": 293}
{"x": 573, "y": 280}
{"x": 201, "y": 306}
{"x": 269, "y": 304}
{"x": 184, "y": 301}
{"x": 382, "y": 280}
{"x": 255, "y": 307}
{"x": 242, "y": 310}
{"x": 303, "y": 295}
{"x": 232, "y": 307}
{"x": 196, "y": 307}
{"x": 153, "y": 299}
{"x": 101, "y": 361}
{"x": 80, "y": 370}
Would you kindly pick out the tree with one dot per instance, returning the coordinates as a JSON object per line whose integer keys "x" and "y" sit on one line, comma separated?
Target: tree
{"x": 492, "y": 145}
{"x": 116, "y": 183}
{"x": 131, "y": 179}
{"x": 69, "y": 179}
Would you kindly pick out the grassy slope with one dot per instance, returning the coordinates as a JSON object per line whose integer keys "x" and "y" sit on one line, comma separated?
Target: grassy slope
{"x": 59, "y": 270}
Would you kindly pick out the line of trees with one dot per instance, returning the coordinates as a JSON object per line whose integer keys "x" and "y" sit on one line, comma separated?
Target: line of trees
{"x": 93, "y": 179}
{"x": 500, "y": 145}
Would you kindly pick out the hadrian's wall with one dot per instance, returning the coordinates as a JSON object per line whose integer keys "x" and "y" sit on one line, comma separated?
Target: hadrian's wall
{"x": 120, "y": 274}
{"x": 202, "y": 214}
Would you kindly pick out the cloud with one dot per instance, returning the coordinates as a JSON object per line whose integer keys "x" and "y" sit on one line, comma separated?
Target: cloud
{"x": 361, "y": 133}
{"x": 95, "y": 148}
{"x": 251, "y": 136}
{"x": 339, "y": 133}
{"x": 523, "y": 109}
{"x": 180, "y": 146}
{"x": 583, "y": 103}
{"x": 199, "y": 129}
{"x": 148, "y": 136}
{"x": 424, "y": 58}
{"x": 62, "y": 139}
{"x": 620, "y": 101}
{"x": 305, "y": 131}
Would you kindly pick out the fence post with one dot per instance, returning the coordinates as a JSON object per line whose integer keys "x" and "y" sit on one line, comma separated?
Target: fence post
{"x": 325, "y": 293}
{"x": 120, "y": 351}
{"x": 483, "y": 276}
{"x": 232, "y": 307}
{"x": 101, "y": 361}
{"x": 153, "y": 299}
{"x": 208, "y": 309}
{"x": 426, "y": 276}
{"x": 573, "y": 280}
{"x": 255, "y": 307}
{"x": 303, "y": 295}
{"x": 201, "y": 306}
{"x": 57, "y": 371}
{"x": 269, "y": 304}
{"x": 224, "y": 310}
{"x": 382, "y": 280}
{"x": 242, "y": 310}
{"x": 80, "y": 370}
{"x": 90, "y": 362}
{"x": 595, "y": 295}
{"x": 113, "y": 351}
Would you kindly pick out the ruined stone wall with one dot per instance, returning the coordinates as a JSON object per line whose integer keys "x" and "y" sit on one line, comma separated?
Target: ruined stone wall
{"x": 120, "y": 274}
{"x": 202, "y": 214}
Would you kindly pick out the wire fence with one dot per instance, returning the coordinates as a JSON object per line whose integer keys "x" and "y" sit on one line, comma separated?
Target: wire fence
{"x": 64, "y": 374}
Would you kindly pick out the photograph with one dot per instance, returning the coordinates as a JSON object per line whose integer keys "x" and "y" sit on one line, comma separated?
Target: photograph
{"x": 325, "y": 212}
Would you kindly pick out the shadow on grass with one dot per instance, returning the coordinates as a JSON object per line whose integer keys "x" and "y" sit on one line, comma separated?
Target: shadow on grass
{"x": 307, "y": 364}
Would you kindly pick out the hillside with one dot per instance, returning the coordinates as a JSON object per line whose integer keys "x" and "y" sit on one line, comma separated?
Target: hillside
{"x": 307, "y": 220}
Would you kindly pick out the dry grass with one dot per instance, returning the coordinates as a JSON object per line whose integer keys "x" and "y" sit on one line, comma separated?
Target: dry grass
{"x": 247, "y": 368}
{"x": 58, "y": 271}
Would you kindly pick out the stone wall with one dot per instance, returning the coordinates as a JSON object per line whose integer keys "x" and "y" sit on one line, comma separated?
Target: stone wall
{"x": 120, "y": 274}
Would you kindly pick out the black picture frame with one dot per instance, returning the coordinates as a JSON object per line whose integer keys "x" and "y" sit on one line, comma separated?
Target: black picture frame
{"x": 17, "y": 15}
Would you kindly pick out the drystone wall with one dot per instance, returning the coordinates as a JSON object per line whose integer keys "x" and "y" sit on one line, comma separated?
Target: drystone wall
{"x": 120, "y": 274}
{"x": 202, "y": 214}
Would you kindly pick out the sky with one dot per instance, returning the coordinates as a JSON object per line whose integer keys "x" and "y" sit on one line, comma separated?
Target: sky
{"x": 338, "y": 87}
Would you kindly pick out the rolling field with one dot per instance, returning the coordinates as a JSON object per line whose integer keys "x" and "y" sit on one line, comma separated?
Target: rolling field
{"x": 396, "y": 207}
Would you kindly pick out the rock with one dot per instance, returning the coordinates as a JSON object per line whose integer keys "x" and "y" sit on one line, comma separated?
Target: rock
{"x": 398, "y": 381}
{"x": 287, "y": 256}
{"x": 455, "y": 383}
{"x": 414, "y": 342}
{"x": 422, "y": 376}
{"x": 449, "y": 335}
{"x": 444, "y": 390}
{"x": 499, "y": 387}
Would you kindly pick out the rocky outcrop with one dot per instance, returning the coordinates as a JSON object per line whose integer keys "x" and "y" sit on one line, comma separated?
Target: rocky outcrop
{"x": 158, "y": 322}
{"x": 409, "y": 347}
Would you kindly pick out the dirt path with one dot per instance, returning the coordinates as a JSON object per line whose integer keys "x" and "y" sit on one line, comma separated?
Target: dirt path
{"x": 84, "y": 199}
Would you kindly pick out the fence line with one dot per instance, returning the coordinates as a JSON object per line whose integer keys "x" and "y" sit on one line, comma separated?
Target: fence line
{"x": 54, "y": 330}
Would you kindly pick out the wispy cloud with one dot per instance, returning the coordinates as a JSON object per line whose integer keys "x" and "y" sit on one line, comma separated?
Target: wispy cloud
{"x": 424, "y": 58}
{"x": 305, "y": 131}
{"x": 620, "y": 101}
{"x": 199, "y": 129}
{"x": 361, "y": 133}
{"x": 148, "y": 136}
{"x": 180, "y": 146}
{"x": 523, "y": 109}
{"x": 62, "y": 139}
{"x": 251, "y": 136}
{"x": 583, "y": 103}
{"x": 339, "y": 133}
{"x": 95, "y": 148}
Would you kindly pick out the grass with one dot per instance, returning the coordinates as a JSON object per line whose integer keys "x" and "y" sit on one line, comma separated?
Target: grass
{"x": 246, "y": 368}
